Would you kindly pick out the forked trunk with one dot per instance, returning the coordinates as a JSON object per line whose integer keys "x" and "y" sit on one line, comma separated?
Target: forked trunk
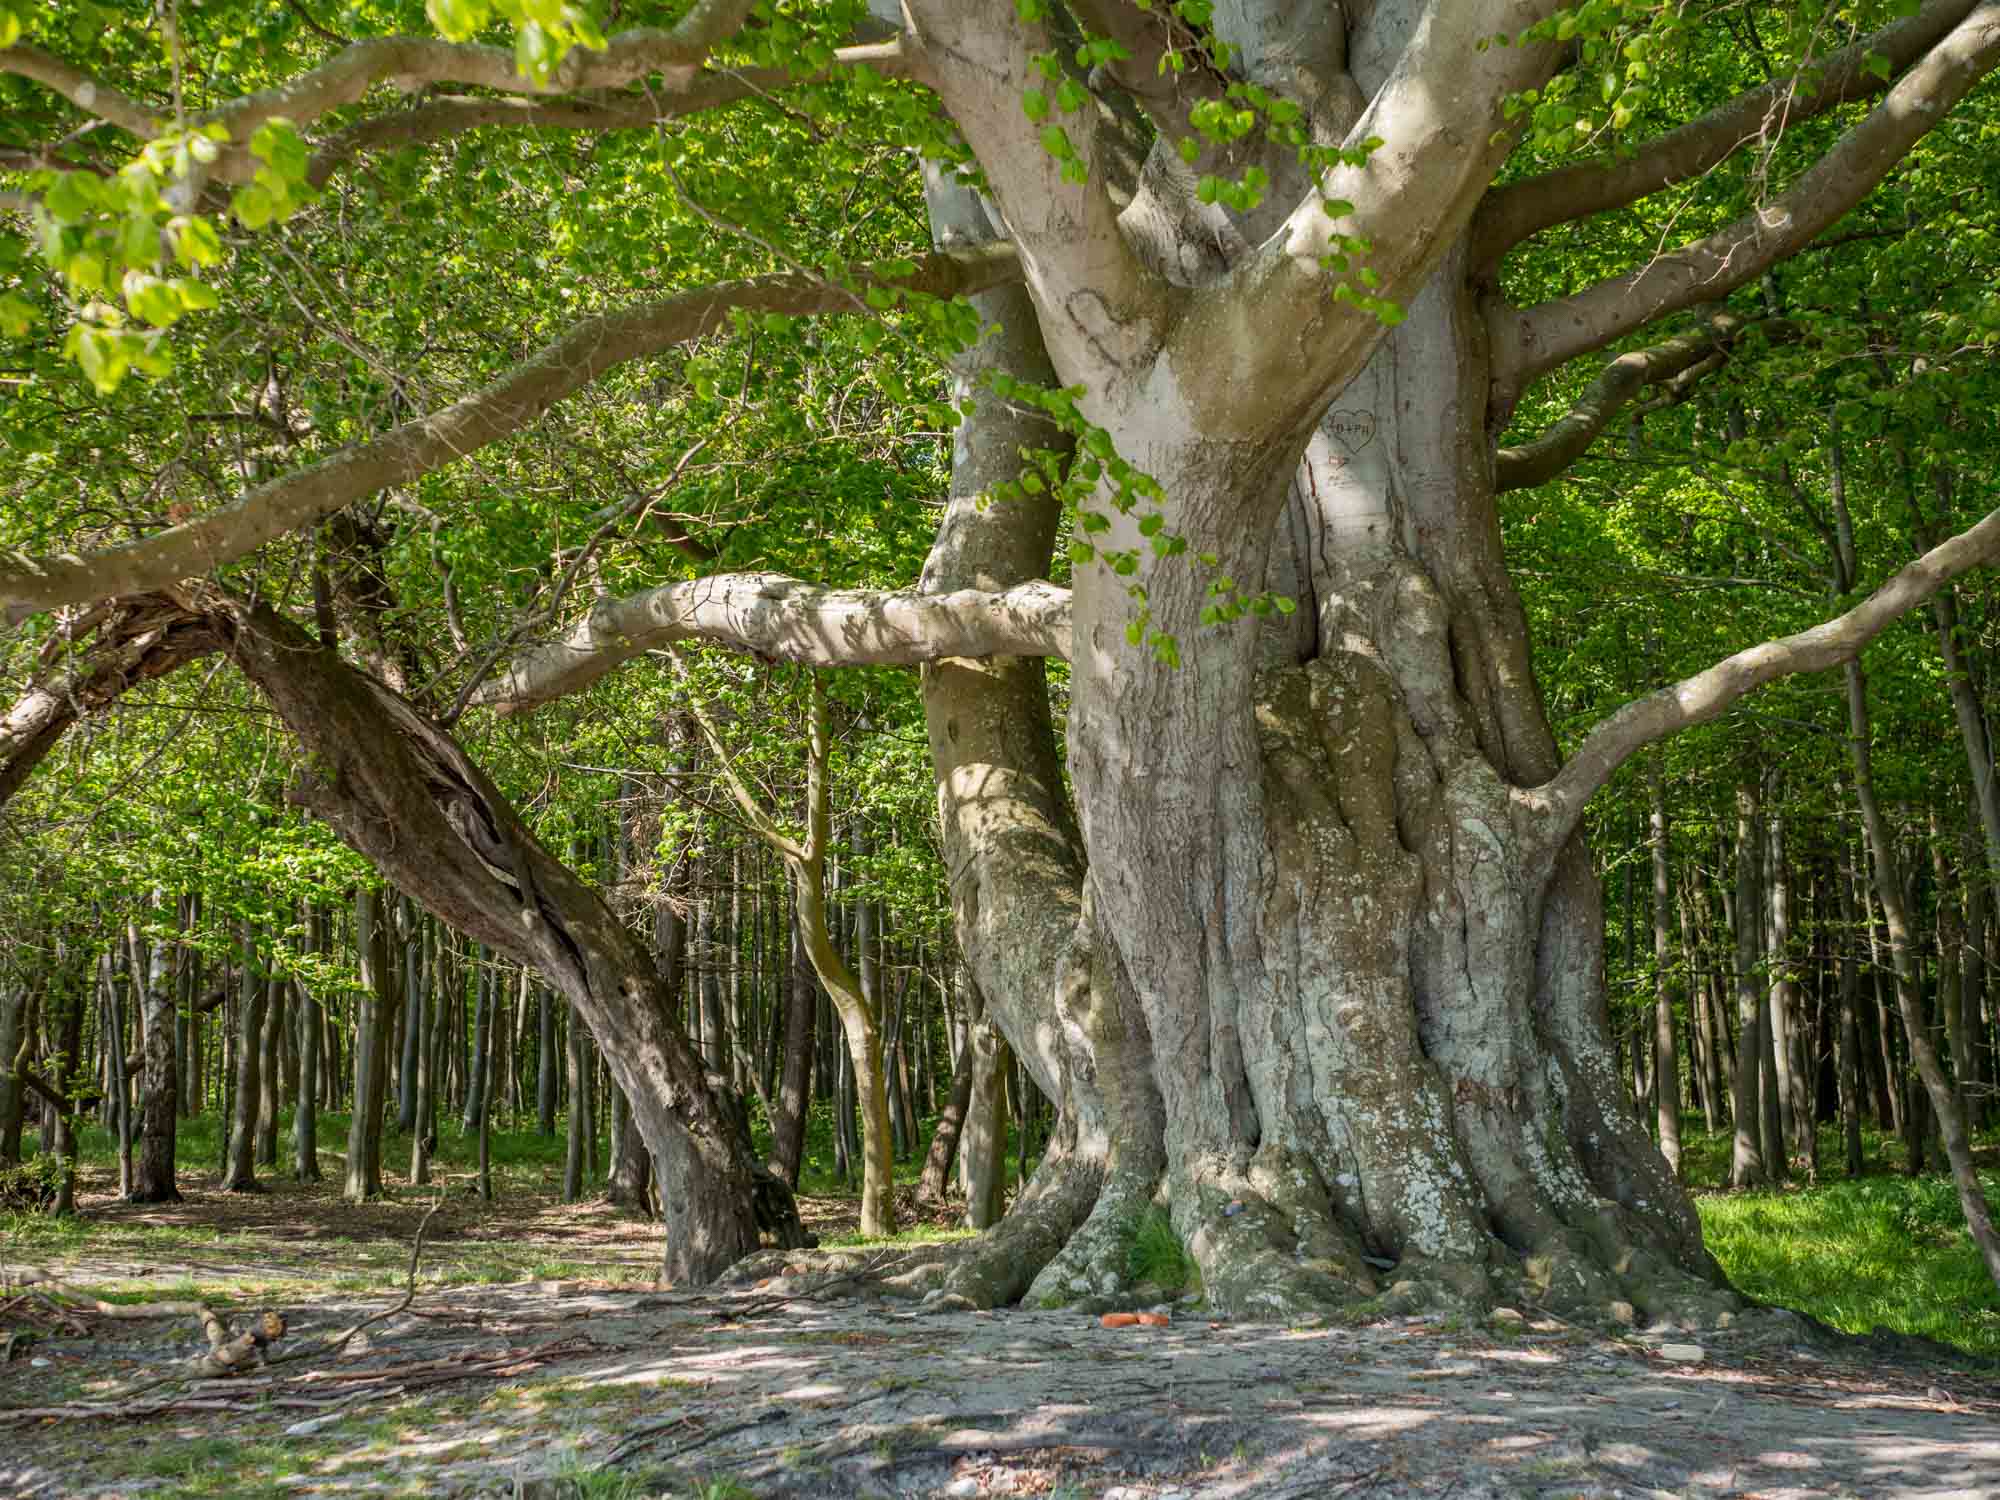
{"x": 1333, "y": 978}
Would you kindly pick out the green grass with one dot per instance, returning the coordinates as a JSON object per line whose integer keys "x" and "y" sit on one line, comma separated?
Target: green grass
{"x": 1882, "y": 1250}
{"x": 1156, "y": 1254}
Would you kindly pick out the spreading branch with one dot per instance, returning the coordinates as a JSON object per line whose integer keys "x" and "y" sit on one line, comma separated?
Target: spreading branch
{"x": 438, "y": 119}
{"x": 1530, "y": 343}
{"x": 406, "y": 453}
{"x": 1097, "y": 303}
{"x": 142, "y": 640}
{"x": 1519, "y": 210}
{"x": 786, "y": 620}
{"x": 1710, "y": 693}
{"x": 1676, "y": 366}
{"x": 1439, "y": 117}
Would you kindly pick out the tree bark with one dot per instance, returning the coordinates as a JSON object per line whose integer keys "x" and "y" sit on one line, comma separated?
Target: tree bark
{"x": 240, "y": 1173}
{"x": 1747, "y": 1166}
{"x": 1909, "y": 995}
{"x": 374, "y": 1035}
{"x": 788, "y": 1121}
{"x": 154, "y": 1181}
{"x": 1666, "y": 1061}
{"x": 401, "y": 792}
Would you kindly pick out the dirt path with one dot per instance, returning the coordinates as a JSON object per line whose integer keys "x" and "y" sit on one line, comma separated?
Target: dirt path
{"x": 527, "y": 1388}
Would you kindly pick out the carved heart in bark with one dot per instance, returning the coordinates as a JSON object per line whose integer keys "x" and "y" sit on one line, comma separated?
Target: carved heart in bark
{"x": 1353, "y": 430}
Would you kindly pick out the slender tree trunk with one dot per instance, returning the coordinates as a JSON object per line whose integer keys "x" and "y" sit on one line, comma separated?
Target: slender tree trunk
{"x": 1666, "y": 1064}
{"x": 944, "y": 1140}
{"x": 545, "y": 1065}
{"x": 1909, "y": 995}
{"x": 788, "y": 1122}
{"x": 1794, "y": 1092}
{"x": 305, "y": 1115}
{"x": 374, "y": 1034}
{"x": 15, "y": 1039}
{"x": 483, "y": 991}
{"x": 575, "y": 1154}
{"x": 1747, "y": 1166}
{"x": 270, "y": 1071}
{"x": 241, "y": 1173}
{"x": 154, "y": 1182}
{"x": 982, "y": 1150}
{"x": 1848, "y": 1065}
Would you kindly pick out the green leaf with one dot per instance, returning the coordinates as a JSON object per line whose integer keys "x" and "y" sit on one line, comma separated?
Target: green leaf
{"x": 16, "y": 316}
{"x": 253, "y": 206}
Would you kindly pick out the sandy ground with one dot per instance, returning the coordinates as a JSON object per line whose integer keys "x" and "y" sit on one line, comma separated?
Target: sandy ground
{"x": 797, "y": 1388}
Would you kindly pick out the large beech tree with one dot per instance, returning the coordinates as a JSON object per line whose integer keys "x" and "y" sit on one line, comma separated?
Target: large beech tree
{"x": 1308, "y": 937}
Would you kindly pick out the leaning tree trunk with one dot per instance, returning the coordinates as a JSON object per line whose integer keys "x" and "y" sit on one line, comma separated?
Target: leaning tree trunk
{"x": 401, "y": 792}
{"x": 1909, "y": 992}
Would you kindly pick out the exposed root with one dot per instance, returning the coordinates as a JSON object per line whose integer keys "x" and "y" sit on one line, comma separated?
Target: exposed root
{"x": 1269, "y": 1244}
{"x": 1090, "y": 1271}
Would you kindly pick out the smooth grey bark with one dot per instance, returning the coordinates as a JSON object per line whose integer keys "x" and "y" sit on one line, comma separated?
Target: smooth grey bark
{"x": 581, "y": 1127}
{"x": 788, "y": 1120}
{"x": 154, "y": 1181}
{"x": 1848, "y": 1057}
{"x": 545, "y": 1064}
{"x": 1747, "y": 1168}
{"x": 982, "y": 1151}
{"x": 1909, "y": 993}
{"x": 483, "y": 1001}
{"x": 1666, "y": 1059}
{"x": 1782, "y": 1090}
{"x": 270, "y": 1070}
{"x": 240, "y": 1171}
{"x": 375, "y": 1019}
{"x": 112, "y": 987}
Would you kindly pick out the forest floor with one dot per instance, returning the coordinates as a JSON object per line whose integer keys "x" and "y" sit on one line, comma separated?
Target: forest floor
{"x": 537, "y": 1359}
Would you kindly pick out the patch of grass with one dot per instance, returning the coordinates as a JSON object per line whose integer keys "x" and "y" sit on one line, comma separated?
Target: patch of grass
{"x": 1888, "y": 1251}
{"x": 1156, "y": 1254}
{"x": 916, "y": 1234}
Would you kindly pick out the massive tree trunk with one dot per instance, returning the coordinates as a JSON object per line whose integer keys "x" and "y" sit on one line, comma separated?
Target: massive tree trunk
{"x": 402, "y": 793}
{"x": 1321, "y": 954}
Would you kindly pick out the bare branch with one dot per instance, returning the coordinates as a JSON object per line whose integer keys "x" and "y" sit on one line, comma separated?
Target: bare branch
{"x": 787, "y": 620}
{"x": 675, "y": 54}
{"x": 1708, "y": 694}
{"x": 438, "y": 119}
{"x": 1669, "y": 364}
{"x": 147, "y": 638}
{"x": 1528, "y": 344}
{"x": 77, "y": 86}
{"x": 1511, "y": 214}
{"x": 403, "y": 454}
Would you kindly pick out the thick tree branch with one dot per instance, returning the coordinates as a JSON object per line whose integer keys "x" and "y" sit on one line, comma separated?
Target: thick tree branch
{"x": 674, "y": 53}
{"x": 786, "y": 620}
{"x": 439, "y": 119}
{"x": 1098, "y": 305}
{"x": 1443, "y": 136}
{"x": 1708, "y": 694}
{"x": 1528, "y": 344}
{"x": 403, "y": 454}
{"x": 143, "y": 639}
{"x": 1511, "y": 214}
{"x": 1670, "y": 364}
